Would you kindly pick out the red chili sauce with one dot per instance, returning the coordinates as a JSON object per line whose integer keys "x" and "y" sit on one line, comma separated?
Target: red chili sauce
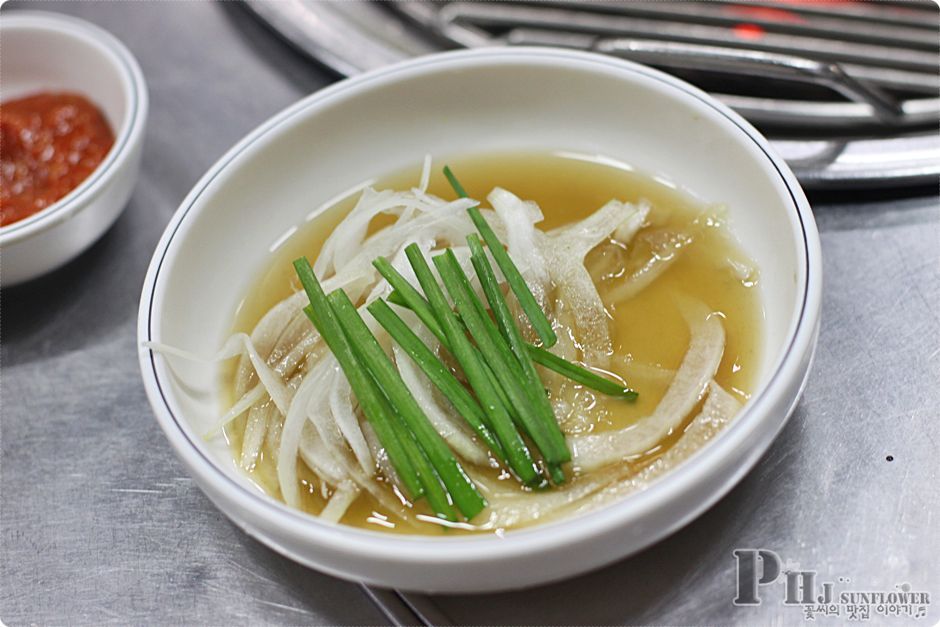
{"x": 50, "y": 143}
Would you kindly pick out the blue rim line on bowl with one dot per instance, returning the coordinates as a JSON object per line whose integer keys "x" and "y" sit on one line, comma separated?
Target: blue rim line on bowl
{"x": 372, "y": 543}
{"x": 134, "y": 79}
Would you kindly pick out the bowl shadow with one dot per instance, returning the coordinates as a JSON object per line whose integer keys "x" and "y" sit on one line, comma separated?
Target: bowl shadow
{"x": 78, "y": 304}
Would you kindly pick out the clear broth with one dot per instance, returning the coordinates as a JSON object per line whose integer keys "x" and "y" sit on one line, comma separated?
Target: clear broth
{"x": 647, "y": 329}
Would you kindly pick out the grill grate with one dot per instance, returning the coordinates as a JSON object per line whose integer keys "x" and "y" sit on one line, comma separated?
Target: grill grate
{"x": 847, "y": 91}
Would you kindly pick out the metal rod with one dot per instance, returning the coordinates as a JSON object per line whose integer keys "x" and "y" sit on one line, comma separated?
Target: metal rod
{"x": 404, "y": 609}
{"x": 887, "y": 78}
{"x": 496, "y": 17}
{"x": 755, "y": 63}
{"x": 777, "y": 18}
{"x": 922, "y": 14}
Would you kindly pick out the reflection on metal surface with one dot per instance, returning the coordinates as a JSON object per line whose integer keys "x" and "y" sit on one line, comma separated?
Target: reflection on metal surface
{"x": 758, "y": 64}
{"x": 348, "y": 37}
{"x": 404, "y": 610}
{"x": 859, "y": 163}
{"x": 834, "y": 116}
{"x": 862, "y": 77}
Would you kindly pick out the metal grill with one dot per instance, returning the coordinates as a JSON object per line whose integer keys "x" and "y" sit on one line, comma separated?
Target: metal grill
{"x": 847, "y": 91}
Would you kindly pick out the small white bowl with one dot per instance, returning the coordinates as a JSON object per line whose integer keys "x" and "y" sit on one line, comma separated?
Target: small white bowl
{"x": 473, "y": 102}
{"x": 51, "y": 52}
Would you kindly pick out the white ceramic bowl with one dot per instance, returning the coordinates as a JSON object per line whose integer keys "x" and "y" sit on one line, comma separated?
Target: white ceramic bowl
{"x": 50, "y": 52}
{"x": 471, "y": 102}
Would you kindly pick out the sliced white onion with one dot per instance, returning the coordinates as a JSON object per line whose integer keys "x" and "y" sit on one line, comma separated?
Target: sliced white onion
{"x": 444, "y": 420}
{"x": 349, "y": 234}
{"x": 698, "y": 367}
{"x": 425, "y": 175}
{"x": 660, "y": 261}
{"x": 510, "y": 507}
{"x": 519, "y": 218}
{"x": 254, "y": 395}
{"x": 294, "y": 423}
{"x": 443, "y": 220}
{"x": 380, "y": 455}
{"x": 294, "y": 333}
{"x": 264, "y": 336}
{"x": 289, "y": 362}
{"x": 273, "y": 383}
{"x": 627, "y": 230}
{"x": 238, "y": 344}
{"x": 253, "y": 437}
{"x": 575, "y": 288}
{"x": 633, "y": 370}
{"x": 513, "y": 508}
{"x": 272, "y": 438}
{"x": 742, "y": 270}
{"x": 719, "y": 409}
{"x": 318, "y": 412}
{"x": 345, "y": 495}
{"x": 341, "y": 404}
{"x": 318, "y": 459}
{"x": 564, "y": 251}
{"x": 581, "y": 236}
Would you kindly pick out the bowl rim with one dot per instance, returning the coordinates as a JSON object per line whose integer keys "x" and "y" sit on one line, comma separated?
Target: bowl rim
{"x": 376, "y": 545}
{"x": 127, "y": 136}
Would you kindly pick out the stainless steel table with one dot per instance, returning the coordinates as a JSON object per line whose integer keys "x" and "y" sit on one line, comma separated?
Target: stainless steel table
{"x": 100, "y": 524}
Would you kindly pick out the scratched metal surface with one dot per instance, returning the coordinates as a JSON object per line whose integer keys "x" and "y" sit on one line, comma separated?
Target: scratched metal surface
{"x": 99, "y": 523}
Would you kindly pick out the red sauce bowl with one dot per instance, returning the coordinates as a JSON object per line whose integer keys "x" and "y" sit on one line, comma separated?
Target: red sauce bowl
{"x": 51, "y": 53}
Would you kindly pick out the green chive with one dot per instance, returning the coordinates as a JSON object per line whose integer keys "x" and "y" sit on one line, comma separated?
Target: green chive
{"x": 467, "y": 288}
{"x": 452, "y": 179}
{"x": 518, "y": 456}
{"x": 499, "y": 307}
{"x": 500, "y": 358}
{"x": 371, "y": 400}
{"x": 429, "y": 482}
{"x": 516, "y": 283}
{"x": 396, "y": 298}
{"x": 411, "y": 297}
{"x": 511, "y": 334}
{"x": 493, "y": 333}
{"x": 580, "y": 375}
{"x": 437, "y": 372}
{"x": 544, "y": 358}
{"x": 464, "y": 493}
{"x": 438, "y": 498}
{"x": 556, "y": 472}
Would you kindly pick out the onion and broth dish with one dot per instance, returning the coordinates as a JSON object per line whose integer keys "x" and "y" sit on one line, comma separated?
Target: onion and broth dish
{"x": 519, "y": 338}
